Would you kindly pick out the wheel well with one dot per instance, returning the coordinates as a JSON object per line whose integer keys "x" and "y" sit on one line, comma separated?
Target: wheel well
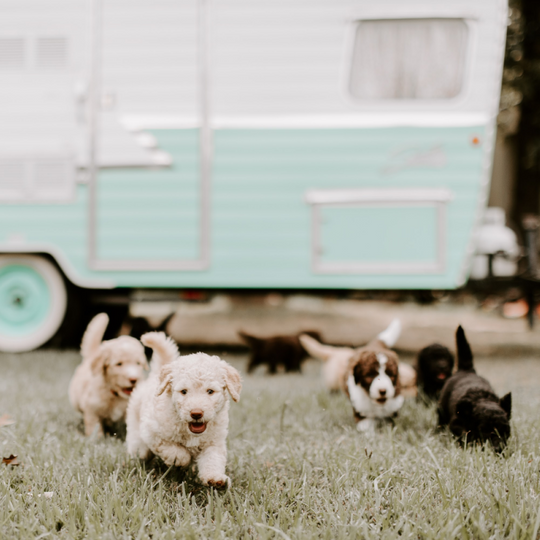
{"x": 83, "y": 303}
{"x": 57, "y": 257}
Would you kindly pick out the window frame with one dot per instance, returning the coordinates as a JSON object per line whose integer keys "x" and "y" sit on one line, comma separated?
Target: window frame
{"x": 422, "y": 104}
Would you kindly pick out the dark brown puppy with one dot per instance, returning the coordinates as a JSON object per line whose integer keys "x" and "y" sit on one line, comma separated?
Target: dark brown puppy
{"x": 470, "y": 407}
{"x": 286, "y": 351}
{"x": 434, "y": 365}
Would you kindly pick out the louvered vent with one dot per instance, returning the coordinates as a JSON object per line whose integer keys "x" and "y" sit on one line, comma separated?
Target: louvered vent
{"x": 36, "y": 179}
{"x": 51, "y": 52}
{"x": 12, "y": 179}
{"x": 51, "y": 179}
{"x": 12, "y": 52}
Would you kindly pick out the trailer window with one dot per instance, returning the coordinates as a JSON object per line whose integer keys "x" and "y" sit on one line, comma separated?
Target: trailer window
{"x": 409, "y": 59}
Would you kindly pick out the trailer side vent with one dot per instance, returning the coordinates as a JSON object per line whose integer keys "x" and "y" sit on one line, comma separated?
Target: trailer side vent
{"x": 51, "y": 52}
{"x": 12, "y": 179}
{"x": 52, "y": 179}
{"x": 12, "y": 52}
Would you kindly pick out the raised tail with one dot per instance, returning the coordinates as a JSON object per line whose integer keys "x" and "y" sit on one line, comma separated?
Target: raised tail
{"x": 464, "y": 353}
{"x": 165, "y": 349}
{"x": 315, "y": 349}
{"x": 93, "y": 335}
{"x": 390, "y": 336}
{"x": 250, "y": 340}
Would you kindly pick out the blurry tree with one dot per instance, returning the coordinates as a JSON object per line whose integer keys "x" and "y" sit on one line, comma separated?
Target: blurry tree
{"x": 519, "y": 114}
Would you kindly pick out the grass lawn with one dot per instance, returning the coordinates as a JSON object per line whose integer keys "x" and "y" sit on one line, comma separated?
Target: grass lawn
{"x": 298, "y": 467}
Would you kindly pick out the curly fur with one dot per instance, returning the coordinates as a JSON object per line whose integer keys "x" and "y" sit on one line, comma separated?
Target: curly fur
{"x": 181, "y": 412}
{"x": 165, "y": 349}
{"x": 469, "y": 405}
{"x": 109, "y": 371}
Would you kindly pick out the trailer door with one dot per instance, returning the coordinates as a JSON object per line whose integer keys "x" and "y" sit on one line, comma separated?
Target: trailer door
{"x": 148, "y": 209}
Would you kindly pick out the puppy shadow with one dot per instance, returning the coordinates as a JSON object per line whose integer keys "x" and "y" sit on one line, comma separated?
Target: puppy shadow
{"x": 116, "y": 430}
{"x": 177, "y": 479}
{"x": 425, "y": 400}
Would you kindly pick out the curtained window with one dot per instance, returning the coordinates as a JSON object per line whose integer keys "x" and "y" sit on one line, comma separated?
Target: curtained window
{"x": 409, "y": 59}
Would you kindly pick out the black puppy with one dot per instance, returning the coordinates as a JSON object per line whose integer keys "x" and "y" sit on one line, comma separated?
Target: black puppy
{"x": 137, "y": 326}
{"x": 434, "y": 365}
{"x": 277, "y": 350}
{"x": 470, "y": 407}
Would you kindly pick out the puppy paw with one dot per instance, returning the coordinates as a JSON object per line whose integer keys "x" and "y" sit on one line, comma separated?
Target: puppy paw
{"x": 145, "y": 454}
{"x": 178, "y": 457}
{"x": 367, "y": 425}
{"x": 218, "y": 481}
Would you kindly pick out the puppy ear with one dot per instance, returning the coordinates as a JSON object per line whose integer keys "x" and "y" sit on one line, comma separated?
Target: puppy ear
{"x": 233, "y": 381}
{"x": 145, "y": 362}
{"x": 100, "y": 361}
{"x": 506, "y": 404}
{"x": 357, "y": 373}
{"x": 165, "y": 379}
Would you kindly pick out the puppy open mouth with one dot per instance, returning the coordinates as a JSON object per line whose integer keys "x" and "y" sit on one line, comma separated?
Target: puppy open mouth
{"x": 381, "y": 400}
{"x": 441, "y": 376}
{"x": 197, "y": 427}
{"x": 128, "y": 390}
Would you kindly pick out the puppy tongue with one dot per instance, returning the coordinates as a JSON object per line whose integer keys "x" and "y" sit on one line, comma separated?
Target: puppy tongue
{"x": 198, "y": 427}
{"x": 441, "y": 376}
{"x": 127, "y": 390}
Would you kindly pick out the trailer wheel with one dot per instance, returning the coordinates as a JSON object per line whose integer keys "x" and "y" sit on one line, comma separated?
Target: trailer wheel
{"x": 33, "y": 302}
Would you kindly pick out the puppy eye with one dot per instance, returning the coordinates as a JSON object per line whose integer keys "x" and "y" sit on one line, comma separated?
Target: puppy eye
{"x": 210, "y": 391}
{"x": 119, "y": 364}
{"x": 183, "y": 392}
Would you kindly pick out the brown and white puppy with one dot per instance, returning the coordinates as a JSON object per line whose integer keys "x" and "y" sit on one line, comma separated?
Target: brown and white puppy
{"x": 181, "y": 412}
{"x": 336, "y": 361}
{"x": 372, "y": 380}
{"x": 102, "y": 384}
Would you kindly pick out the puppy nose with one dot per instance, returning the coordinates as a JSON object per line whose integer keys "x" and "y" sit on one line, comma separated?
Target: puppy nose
{"x": 133, "y": 381}
{"x": 196, "y": 414}
{"x": 382, "y": 392}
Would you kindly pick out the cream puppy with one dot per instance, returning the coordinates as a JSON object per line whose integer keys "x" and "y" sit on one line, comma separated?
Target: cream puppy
{"x": 181, "y": 412}
{"x": 102, "y": 384}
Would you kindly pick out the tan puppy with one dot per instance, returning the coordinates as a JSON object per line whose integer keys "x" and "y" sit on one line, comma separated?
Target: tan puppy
{"x": 181, "y": 412}
{"x": 335, "y": 360}
{"x": 102, "y": 384}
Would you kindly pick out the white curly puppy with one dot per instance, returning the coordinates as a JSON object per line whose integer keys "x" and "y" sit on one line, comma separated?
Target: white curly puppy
{"x": 102, "y": 384}
{"x": 181, "y": 412}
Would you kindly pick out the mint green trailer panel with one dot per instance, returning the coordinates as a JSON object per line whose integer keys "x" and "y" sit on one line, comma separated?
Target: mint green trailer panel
{"x": 262, "y": 234}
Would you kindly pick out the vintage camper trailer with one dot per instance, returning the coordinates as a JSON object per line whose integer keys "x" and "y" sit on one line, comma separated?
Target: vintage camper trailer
{"x": 318, "y": 144}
